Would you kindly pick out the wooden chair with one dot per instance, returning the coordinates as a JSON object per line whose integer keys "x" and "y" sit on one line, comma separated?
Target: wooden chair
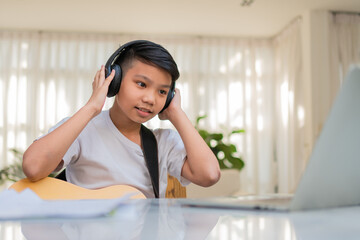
{"x": 174, "y": 189}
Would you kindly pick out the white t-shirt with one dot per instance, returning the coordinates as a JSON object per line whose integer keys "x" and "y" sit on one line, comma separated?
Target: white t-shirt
{"x": 102, "y": 156}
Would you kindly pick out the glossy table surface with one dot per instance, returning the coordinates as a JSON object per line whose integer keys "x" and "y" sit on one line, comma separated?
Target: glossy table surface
{"x": 168, "y": 219}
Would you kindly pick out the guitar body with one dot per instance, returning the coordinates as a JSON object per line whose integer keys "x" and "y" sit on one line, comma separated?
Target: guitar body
{"x": 54, "y": 189}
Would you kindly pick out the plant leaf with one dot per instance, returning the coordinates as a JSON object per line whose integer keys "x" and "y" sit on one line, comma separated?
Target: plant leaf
{"x": 237, "y": 131}
{"x": 217, "y": 136}
{"x": 214, "y": 141}
{"x": 198, "y": 120}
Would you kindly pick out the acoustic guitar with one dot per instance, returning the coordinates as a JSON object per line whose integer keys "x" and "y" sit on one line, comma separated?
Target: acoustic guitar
{"x": 54, "y": 189}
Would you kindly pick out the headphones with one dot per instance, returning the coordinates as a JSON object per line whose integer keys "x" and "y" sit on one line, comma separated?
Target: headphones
{"x": 116, "y": 82}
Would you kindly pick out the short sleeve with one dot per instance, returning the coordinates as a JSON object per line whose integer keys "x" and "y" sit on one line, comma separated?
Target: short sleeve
{"x": 172, "y": 148}
{"x": 73, "y": 152}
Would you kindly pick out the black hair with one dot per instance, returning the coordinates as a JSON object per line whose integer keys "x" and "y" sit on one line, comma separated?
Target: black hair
{"x": 148, "y": 53}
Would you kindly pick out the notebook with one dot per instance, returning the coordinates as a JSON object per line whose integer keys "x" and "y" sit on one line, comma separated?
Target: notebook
{"x": 332, "y": 175}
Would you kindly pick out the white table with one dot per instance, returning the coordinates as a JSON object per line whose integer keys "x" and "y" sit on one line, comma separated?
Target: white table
{"x": 167, "y": 219}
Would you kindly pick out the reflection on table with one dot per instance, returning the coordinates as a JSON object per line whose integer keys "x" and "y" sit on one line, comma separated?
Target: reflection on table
{"x": 168, "y": 219}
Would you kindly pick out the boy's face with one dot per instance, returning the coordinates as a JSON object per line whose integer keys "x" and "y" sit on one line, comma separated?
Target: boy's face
{"x": 143, "y": 92}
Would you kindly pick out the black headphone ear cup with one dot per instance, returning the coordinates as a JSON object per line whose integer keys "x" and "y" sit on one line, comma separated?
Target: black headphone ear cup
{"x": 116, "y": 82}
{"x": 169, "y": 97}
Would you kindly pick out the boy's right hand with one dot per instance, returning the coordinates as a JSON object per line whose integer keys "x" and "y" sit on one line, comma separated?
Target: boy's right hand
{"x": 46, "y": 154}
{"x": 100, "y": 88}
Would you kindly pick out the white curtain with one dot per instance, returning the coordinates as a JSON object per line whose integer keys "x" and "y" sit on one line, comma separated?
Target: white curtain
{"x": 291, "y": 150}
{"x": 45, "y": 77}
{"x": 231, "y": 81}
{"x": 345, "y": 45}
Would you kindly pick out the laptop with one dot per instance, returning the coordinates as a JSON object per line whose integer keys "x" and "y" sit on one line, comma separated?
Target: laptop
{"x": 332, "y": 176}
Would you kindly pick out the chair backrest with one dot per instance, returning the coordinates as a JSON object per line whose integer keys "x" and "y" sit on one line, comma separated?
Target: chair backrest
{"x": 175, "y": 189}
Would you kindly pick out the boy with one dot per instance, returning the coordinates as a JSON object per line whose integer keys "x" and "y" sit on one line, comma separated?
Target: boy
{"x": 103, "y": 148}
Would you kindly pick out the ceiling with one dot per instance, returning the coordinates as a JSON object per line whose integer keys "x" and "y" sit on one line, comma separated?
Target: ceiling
{"x": 263, "y": 18}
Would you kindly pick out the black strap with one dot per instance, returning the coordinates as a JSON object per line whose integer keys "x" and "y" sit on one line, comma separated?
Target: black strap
{"x": 61, "y": 175}
{"x": 149, "y": 144}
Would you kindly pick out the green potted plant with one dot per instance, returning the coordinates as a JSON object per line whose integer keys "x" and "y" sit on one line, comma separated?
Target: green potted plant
{"x": 13, "y": 172}
{"x": 224, "y": 152}
{"x": 230, "y": 164}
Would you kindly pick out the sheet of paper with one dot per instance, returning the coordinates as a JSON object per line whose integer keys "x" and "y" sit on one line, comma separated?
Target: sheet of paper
{"x": 27, "y": 204}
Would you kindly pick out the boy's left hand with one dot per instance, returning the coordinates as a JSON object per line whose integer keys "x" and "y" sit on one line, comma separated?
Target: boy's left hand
{"x": 201, "y": 165}
{"x": 173, "y": 108}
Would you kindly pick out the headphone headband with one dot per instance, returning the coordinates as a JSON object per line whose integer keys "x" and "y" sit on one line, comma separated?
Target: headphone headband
{"x": 117, "y": 54}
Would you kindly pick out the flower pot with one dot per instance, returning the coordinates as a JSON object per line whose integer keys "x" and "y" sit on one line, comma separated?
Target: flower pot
{"x": 228, "y": 184}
